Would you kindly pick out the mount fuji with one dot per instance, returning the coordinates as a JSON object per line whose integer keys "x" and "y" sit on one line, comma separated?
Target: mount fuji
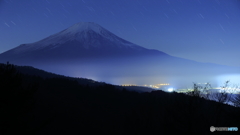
{"x": 88, "y": 50}
{"x": 82, "y": 40}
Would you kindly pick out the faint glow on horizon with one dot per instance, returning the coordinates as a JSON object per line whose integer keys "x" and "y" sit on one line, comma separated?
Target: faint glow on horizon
{"x": 170, "y": 89}
{"x": 128, "y": 85}
{"x": 232, "y": 78}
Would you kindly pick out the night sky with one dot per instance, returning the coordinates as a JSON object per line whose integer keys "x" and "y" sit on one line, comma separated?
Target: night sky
{"x": 201, "y": 30}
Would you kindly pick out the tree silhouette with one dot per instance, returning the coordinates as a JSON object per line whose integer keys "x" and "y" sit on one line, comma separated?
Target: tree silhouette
{"x": 236, "y": 100}
{"x": 223, "y": 96}
{"x": 15, "y": 99}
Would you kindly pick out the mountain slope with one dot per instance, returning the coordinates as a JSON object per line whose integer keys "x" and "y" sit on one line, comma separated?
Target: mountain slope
{"x": 82, "y": 40}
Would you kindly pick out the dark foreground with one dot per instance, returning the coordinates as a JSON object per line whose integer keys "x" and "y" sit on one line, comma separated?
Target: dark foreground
{"x": 31, "y": 104}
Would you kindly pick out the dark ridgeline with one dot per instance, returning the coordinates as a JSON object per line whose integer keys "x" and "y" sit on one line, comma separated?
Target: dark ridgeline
{"x": 52, "y": 104}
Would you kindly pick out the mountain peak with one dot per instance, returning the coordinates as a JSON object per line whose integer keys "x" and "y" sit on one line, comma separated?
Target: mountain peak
{"x": 84, "y": 26}
{"x": 77, "y": 32}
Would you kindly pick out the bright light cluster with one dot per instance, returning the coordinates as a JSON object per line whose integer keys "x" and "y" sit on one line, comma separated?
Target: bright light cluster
{"x": 155, "y": 86}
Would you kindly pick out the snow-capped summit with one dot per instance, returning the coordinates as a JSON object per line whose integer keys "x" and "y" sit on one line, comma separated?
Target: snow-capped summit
{"x": 88, "y": 29}
{"x": 83, "y": 26}
{"x": 83, "y": 30}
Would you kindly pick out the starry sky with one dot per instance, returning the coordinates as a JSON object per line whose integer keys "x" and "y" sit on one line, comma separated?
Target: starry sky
{"x": 200, "y": 30}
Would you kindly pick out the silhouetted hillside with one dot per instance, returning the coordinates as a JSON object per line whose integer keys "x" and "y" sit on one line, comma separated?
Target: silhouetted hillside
{"x": 32, "y": 104}
{"x": 28, "y": 70}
